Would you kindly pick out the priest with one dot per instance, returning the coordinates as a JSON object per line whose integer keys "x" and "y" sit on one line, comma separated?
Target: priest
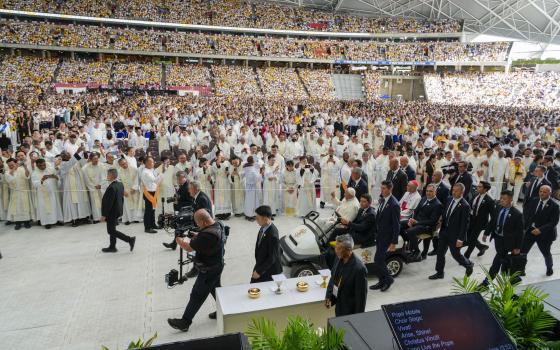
{"x": 46, "y": 183}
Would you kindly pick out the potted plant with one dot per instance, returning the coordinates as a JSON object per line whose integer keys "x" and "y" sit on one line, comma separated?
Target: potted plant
{"x": 299, "y": 334}
{"x": 521, "y": 313}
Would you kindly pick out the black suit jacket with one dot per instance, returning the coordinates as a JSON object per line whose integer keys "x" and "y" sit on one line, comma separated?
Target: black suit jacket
{"x": 203, "y": 202}
{"x": 546, "y": 221}
{"x": 388, "y": 223}
{"x": 410, "y": 173}
{"x": 399, "y": 180}
{"x": 184, "y": 199}
{"x": 363, "y": 227}
{"x": 534, "y": 193}
{"x": 112, "y": 202}
{"x": 464, "y": 178}
{"x": 480, "y": 219}
{"x": 267, "y": 255}
{"x": 552, "y": 176}
{"x": 361, "y": 187}
{"x": 351, "y": 279}
{"x": 443, "y": 193}
{"x": 513, "y": 228}
{"x": 428, "y": 214}
{"x": 455, "y": 226}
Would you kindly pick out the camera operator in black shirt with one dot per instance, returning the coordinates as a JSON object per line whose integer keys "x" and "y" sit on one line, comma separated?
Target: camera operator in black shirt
{"x": 208, "y": 243}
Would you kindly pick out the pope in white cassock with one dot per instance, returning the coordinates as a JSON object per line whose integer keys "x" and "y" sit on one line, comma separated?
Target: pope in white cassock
{"x": 498, "y": 173}
{"x": 252, "y": 179}
{"x": 94, "y": 176}
{"x": 132, "y": 210}
{"x": 20, "y": 206}
{"x": 46, "y": 184}
{"x": 75, "y": 202}
{"x": 306, "y": 182}
{"x": 330, "y": 177}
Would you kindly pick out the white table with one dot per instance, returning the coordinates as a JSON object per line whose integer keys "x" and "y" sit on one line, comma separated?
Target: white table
{"x": 235, "y": 310}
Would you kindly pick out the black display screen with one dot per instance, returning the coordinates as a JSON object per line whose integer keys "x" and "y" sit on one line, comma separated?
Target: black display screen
{"x": 459, "y": 322}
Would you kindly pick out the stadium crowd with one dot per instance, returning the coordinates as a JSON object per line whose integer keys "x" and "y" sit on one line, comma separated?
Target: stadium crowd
{"x": 82, "y": 36}
{"x": 235, "y": 13}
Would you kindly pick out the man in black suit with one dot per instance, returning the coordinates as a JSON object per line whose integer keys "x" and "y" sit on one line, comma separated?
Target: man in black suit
{"x": 112, "y": 209}
{"x": 453, "y": 232}
{"x": 183, "y": 196}
{"x": 482, "y": 207}
{"x": 551, "y": 174}
{"x": 198, "y": 199}
{"x": 442, "y": 193}
{"x": 358, "y": 183}
{"x": 362, "y": 229}
{"x": 388, "y": 228}
{"x": 410, "y": 173}
{"x": 506, "y": 229}
{"x": 424, "y": 220}
{"x": 267, "y": 249}
{"x": 535, "y": 185}
{"x": 541, "y": 218}
{"x": 347, "y": 289}
{"x": 398, "y": 179}
{"x": 462, "y": 177}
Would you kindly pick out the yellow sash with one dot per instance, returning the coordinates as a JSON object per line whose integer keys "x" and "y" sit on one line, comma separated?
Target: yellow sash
{"x": 152, "y": 199}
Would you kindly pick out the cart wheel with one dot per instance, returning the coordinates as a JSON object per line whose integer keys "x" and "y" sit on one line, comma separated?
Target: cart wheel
{"x": 394, "y": 265}
{"x": 303, "y": 270}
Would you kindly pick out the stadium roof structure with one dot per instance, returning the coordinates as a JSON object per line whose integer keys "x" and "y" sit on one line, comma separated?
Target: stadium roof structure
{"x": 527, "y": 20}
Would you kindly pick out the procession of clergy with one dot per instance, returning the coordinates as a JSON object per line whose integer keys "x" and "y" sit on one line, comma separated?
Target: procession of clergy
{"x": 63, "y": 182}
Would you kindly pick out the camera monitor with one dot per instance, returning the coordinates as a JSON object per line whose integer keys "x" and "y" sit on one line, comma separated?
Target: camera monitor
{"x": 459, "y": 322}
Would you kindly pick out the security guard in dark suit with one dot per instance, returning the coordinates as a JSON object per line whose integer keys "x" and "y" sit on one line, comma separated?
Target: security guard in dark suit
{"x": 535, "y": 185}
{"x": 267, "y": 248}
{"x": 424, "y": 220}
{"x": 442, "y": 193}
{"x": 347, "y": 289}
{"x": 506, "y": 229}
{"x": 541, "y": 218}
{"x": 112, "y": 209}
{"x": 398, "y": 179}
{"x": 462, "y": 177}
{"x": 388, "y": 227}
{"x": 482, "y": 207}
{"x": 453, "y": 232}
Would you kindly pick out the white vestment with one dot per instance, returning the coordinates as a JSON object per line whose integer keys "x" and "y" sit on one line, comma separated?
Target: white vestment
{"x": 222, "y": 188}
{"x": 306, "y": 194}
{"x": 253, "y": 195}
{"x": 20, "y": 206}
{"x": 75, "y": 202}
{"x": 95, "y": 175}
{"x": 49, "y": 208}
{"x": 132, "y": 210}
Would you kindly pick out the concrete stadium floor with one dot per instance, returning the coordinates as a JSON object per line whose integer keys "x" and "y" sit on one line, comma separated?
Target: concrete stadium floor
{"x": 58, "y": 291}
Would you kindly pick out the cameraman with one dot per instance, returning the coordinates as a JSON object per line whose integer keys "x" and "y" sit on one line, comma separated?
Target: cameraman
{"x": 209, "y": 260}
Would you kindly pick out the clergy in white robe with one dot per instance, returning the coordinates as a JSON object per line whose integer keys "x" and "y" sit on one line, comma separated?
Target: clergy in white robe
{"x": 271, "y": 185}
{"x": 203, "y": 174}
{"x": 46, "y": 184}
{"x": 368, "y": 167}
{"x": 289, "y": 189}
{"x": 4, "y": 197}
{"x": 252, "y": 180}
{"x": 330, "y": 177}
{"x": 237, "y": 187}
{"x": 221, "y": 171}
{"x": 19, "y": 206}
{"x": 95, "y": 177}
{"x": 75, "y": 201}
{"x": 166, "y": 187}
{"x": 306, "y": 183}
{"x": 128, "y": 175}
{"x": 498, "y": 174}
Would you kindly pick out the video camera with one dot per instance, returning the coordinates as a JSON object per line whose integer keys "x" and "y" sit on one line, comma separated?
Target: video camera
{"x": 182, "y": 220}
{"x": 450, "y": 169}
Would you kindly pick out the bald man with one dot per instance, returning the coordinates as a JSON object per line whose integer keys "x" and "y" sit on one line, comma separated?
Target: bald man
{"x": 209, "y": 260}
{"x": 541, "y": 218}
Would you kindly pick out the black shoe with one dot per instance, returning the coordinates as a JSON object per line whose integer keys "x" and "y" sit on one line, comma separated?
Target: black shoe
{"x": 157, "y": 228}
{"x": 48, "y": 227}
{"x": 192, "y": 273}
{"x": 75, "y": 224}
{"x": 483, "y": 285}
{"x": 424, "y": 256}
{"x": 136, "y": 222}
{"x": 436, "y": 276}
{"x": 109, "y": 250}
{"x": 322, "y": 205}
{"x": 469, "y": 270}
{"x": 179, "y": 323}
{"x": 170, "y": 245}
{"x": 60, "y": 223}
{"x": 386, "y": 286}
{"x": 212, "y": 315}
{"x": 416, "y": 257}
{"x": 482, "y": 251}
{"x": 238, "y": 215}
{"x": 132, "y": 243}
{"x": 8, "y": 223}
{"x": 150, "y": 231}
{"x": 95, "y": 221}
{"x": 432, "y": 253}
{"x": 18, "y": 226}
{"x": 549, "y": 271}
{"x": 127, "y": 223}
{"x": 27, "y": 224}
{"x": 377, "y": 286}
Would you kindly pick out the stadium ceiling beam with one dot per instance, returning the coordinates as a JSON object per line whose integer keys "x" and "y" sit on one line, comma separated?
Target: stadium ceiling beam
{"x": 501, "y": 19}
{"x": 337, "y": 4}
{"x": 375, "y": 8}
{"x": 551, "y": 20}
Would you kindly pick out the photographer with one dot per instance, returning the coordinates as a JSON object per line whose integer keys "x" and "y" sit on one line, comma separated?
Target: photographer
{"x": 208, "y": 244}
